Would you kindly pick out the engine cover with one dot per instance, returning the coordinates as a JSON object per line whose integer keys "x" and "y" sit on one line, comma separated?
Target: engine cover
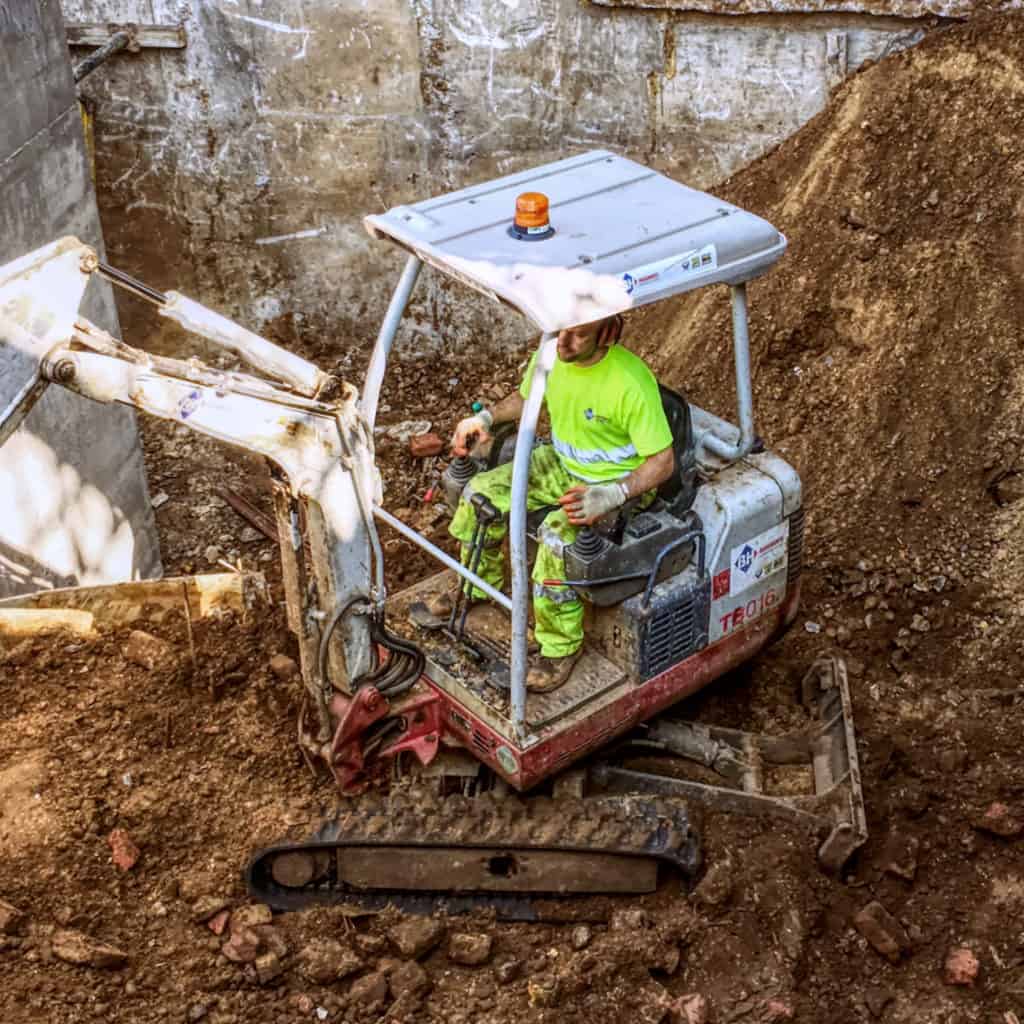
{"x": 645, "y": 640}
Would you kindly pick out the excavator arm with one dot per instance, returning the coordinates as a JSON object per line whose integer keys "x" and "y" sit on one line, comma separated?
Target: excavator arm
{"x": 304, "y": 422}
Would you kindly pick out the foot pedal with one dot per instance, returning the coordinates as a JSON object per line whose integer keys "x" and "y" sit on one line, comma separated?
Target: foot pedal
{"x": 423, "y": 618}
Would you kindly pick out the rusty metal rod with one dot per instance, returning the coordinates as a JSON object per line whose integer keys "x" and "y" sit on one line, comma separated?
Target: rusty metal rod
{"x": 115, "y": 44}
{"x": 250, "y": 513}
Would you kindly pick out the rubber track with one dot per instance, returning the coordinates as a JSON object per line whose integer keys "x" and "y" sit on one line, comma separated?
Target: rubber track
{"x": 636, "y": 826}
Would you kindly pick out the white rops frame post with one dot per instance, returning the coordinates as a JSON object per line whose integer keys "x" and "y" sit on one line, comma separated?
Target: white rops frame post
{"x": 624, "y": 236}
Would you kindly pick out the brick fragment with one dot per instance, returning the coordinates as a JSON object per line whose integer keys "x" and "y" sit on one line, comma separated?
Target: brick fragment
{"x": 885, "y": 934}
{"x": 424, "y": 446}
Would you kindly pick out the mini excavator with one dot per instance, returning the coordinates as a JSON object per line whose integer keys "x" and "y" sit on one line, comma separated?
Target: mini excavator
{"x": 457, "y": 785}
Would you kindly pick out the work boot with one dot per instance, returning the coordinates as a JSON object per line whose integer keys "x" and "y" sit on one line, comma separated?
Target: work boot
{"x": 441, "y": 604}
{"x": 549, "y": 674}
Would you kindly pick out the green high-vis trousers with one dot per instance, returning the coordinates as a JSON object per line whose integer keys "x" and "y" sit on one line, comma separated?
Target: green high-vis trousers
{"x": 557, "y": 611}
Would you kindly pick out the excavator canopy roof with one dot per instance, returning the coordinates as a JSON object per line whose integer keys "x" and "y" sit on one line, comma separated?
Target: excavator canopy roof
{"x": 623, "y": 236}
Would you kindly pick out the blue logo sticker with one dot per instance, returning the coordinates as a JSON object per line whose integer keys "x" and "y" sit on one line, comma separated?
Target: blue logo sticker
{"x": 746, "y": 559}
{"x": 627, "y": 280}
{"x": 189, "y": 404}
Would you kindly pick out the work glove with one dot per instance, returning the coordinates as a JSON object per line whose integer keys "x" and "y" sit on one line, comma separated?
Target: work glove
{"x": 471, "y": 431}
{"x": 585, "y": 504}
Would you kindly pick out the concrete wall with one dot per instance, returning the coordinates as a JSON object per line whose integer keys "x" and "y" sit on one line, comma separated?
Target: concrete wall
{"x": 73, "y": 501}
{"x": 238, "y": 169}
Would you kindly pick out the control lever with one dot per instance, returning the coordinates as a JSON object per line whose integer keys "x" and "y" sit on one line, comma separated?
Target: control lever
{"x": 486, "y": 514}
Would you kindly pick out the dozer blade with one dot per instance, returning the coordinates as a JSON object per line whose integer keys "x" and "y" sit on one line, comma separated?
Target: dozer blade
{"x": 426, "y": 852}
{"x": 834, "y": 809}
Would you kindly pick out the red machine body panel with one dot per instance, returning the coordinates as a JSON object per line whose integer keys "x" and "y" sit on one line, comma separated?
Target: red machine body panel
{"x": 525, "y": 768}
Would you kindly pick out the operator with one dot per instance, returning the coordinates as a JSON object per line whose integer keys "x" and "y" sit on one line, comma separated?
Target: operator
{"x": 610, "y": 442}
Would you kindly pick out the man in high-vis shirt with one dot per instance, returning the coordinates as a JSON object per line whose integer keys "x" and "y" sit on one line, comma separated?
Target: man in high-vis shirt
{"x": 610, "y": 442}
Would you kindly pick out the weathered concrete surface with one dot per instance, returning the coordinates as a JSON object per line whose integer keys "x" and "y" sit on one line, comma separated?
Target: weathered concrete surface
{"x": 731, "y": 93}
{"x": 73, "y": 501}
{"x": 238, "y": 169}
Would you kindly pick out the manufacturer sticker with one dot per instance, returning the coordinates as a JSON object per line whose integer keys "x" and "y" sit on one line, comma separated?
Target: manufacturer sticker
{"x": 759, "y": 558}
{"x": 663, "y": 273}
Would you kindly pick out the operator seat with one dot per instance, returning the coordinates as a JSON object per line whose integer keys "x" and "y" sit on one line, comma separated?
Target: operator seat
{"x": 679, "y": 490}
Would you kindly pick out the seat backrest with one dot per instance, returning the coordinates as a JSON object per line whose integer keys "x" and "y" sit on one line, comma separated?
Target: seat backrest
{"x": 679, "y": 490}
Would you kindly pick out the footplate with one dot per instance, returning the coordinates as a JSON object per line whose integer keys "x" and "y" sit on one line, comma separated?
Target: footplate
{"x": 425, "y": 852}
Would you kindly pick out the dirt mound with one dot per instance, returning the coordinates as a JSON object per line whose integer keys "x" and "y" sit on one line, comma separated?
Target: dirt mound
{"x": 886, "y": 344}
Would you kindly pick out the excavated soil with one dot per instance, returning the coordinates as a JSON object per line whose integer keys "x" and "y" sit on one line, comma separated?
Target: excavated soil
{"x": 887, "y": 361}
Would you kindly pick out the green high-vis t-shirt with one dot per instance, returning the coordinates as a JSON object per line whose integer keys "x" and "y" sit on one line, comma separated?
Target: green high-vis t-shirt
{"x": 605, "y": 418}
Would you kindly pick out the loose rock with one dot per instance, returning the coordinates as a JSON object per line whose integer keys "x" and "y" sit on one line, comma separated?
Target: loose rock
{"x": 542, "y": 992}
{"x": 408, "y": 980}
{"x": 778, "y": 1009}
{"x": 581, "y": 936}
{"x": 148, "y": 651}
{"x": 688, "y": 1009}
{"x": 900, "y": 856}
{"x": 417, "y": 936}
{"x": 961, "y": 967}
{"x": 325, "y": 960}
{"x": 219, "y": 922}
{"x": 77, "y": 948}
{"x": 250, "y": 916}
{"x": 283, "y": 667}
{"x": 123, "y": 851}
{"x": 882, "y": 931}
{"x": 629, "y": 919}
{"x": 243, "y": 947}
{"x": 999, "y": 820}
{"x": 11, "y": 918}
{"x": 370, "y": 989}
{"x": 468, "y": 949}
{"x": 268, "y": 967}
{"x": 509, "y": 971}
{"x": 206, "y": 907}
{"x": 715, "y": 888}
{"x": 652, "y": 1003}
{"x": 423, "y": 446}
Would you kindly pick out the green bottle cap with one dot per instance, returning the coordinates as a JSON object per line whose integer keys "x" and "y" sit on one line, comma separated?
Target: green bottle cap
{"x": 477, "y": 406}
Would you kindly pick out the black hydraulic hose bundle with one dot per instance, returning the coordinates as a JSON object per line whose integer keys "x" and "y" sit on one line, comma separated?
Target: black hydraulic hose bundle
{"x": 404, "y": 666}
{"x": 392, "y": 678}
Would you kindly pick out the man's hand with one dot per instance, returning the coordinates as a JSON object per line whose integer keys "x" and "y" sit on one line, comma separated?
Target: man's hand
{"x": 471, "y": 431}
{"x": 585, "y": 504}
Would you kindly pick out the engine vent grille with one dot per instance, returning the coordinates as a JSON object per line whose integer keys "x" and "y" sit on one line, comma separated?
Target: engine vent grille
{"x": 668, "y": 637}
{"x": 796, "y": 547}
{"x": 483, "y": 743}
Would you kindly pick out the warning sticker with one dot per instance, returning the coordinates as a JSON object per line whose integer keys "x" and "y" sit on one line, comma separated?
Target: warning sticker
{"x": 664, "y": 272}
{"x": 759, "y": 557}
